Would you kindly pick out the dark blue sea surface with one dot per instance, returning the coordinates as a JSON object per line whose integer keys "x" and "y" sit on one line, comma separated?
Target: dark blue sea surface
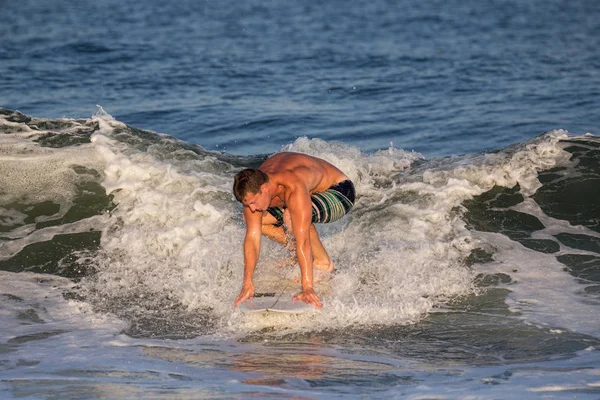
{"x": 437, "y": 77}
{"x": 469, "y": 266}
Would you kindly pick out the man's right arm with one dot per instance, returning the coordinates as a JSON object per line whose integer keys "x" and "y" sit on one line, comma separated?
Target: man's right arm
{"x": 251, "y": 252}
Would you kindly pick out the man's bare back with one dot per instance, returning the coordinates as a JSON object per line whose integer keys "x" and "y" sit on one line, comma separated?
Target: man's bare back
{"x": 289, "y": 169}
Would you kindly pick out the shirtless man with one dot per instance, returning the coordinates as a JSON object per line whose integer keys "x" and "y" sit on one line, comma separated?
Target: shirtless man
{"x": 296, "y": 190}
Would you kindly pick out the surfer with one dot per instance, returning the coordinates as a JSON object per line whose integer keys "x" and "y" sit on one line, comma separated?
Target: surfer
{"x": 291, "y": 191}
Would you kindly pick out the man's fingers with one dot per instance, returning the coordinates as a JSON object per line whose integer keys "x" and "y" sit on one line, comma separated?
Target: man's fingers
{"x": 309, "y": 298}
{"x": 241, "y": 298}
{"x": 237, "y": 302}
{"x": 318, "y": 303}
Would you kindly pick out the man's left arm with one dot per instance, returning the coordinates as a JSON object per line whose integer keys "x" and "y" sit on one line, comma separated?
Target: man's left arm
{"x": 300, "y": 208}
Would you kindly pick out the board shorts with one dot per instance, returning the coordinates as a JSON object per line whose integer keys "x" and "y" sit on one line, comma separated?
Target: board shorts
{"x": 327, "y": 206}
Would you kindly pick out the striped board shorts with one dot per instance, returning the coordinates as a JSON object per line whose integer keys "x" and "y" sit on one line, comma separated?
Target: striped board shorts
{"x": 327, "y": 206}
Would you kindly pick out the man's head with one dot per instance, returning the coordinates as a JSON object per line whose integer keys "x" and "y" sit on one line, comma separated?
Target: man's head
{"x": 248, "y": 182}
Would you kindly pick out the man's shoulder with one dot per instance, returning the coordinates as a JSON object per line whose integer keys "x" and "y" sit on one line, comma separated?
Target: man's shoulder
{"x": 294, "y": 181}
{"x": 292, "y": 178}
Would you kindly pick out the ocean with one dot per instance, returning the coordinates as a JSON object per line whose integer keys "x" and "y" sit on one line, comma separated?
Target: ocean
{"x": 469, "y": 267}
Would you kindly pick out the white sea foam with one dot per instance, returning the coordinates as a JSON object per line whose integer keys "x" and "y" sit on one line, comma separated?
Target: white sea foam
{"x": 34, "y": 303}
{"x": 541, "y": 290}
{"x": 33, "y": 174}
{"x": 10, "y": 217}
{"x": 177, "y": 230}
{"x": 26, "y": 235}
{"x": 171, "y": 232}
{"x": 181, "y": 233}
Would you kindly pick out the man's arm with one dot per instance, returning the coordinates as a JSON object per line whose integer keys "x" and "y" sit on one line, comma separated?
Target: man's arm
{"x": 300, "y": 208}
{"x": 251, "y": 252}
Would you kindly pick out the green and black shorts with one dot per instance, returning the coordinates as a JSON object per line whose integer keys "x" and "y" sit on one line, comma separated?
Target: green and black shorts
{"x": 327, "y": 206}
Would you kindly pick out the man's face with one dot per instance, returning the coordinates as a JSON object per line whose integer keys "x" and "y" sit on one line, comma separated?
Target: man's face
{"x": 257, "y": 201}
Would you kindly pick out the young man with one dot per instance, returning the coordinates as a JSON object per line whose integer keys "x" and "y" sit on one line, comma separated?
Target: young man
{"x": 296, "y": 190}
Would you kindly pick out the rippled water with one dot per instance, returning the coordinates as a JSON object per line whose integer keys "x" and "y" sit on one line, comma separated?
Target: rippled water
{"x": 438, "y": 77}
{"x": 461, "y": 273}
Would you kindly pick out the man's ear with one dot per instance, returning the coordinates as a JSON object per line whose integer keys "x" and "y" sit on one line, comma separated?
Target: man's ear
{"x": 263, "y": 187}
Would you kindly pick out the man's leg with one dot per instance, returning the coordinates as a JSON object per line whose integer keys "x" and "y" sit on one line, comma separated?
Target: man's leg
{"x": 275, "y": 233}
{"x": 321, "y": 260}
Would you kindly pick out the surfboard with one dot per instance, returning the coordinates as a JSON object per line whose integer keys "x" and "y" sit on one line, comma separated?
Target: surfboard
{"x": 273, "y": 303}
{"x": 277, "y": 286}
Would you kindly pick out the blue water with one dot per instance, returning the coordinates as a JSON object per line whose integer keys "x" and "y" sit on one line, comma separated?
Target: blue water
{"x": 439, "y": 78}
{"x": 469, "y": 267}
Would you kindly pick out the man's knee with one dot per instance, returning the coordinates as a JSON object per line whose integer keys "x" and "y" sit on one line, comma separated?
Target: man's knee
{"x": 268, "y": 219}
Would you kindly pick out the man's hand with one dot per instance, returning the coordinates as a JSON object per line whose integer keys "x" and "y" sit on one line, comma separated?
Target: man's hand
{"x": 247, "y": 292}
{"x": 309, "y": 297}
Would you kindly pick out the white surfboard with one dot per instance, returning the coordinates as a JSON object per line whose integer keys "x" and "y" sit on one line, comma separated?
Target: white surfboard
{"x": 270, "y": 303}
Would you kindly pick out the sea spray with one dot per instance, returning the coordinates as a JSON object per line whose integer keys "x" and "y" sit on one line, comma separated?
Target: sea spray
{"x": 166, "y": 256}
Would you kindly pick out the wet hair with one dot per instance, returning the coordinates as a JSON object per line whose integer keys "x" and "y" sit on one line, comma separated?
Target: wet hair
{"x": 248, "y": 181}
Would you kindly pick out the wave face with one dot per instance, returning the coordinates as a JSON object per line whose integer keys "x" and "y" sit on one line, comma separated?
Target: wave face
{"x": 146, "y": 228}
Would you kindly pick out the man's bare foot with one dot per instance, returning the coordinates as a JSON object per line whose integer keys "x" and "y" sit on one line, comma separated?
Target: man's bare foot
{"x": 318, "y": 276}
{"x": 326, "y": 266}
